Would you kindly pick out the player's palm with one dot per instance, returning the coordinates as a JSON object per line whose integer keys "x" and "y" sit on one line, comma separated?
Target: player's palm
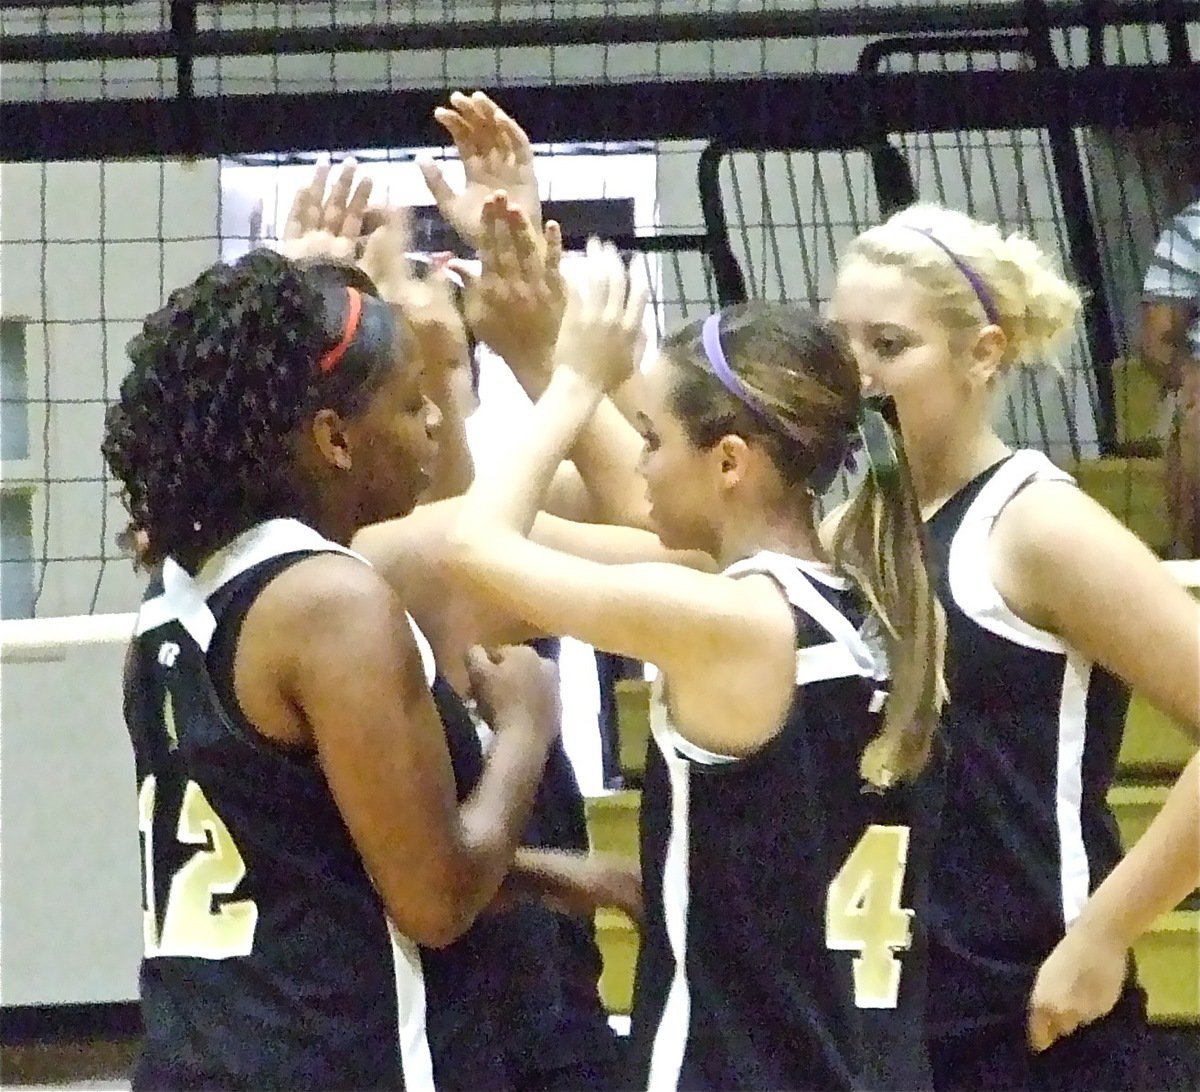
{"x": 485, "y": 175}
{"x": 496, "y": 155}
{"x": 515, "y": 302}
{"x": 601, "y": 337}
{"x": 327, "y": 224}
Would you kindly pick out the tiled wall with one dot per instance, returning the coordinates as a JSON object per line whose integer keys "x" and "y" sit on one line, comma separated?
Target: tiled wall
{"x": 472, "y": 67}
{"x": 86, "y": 251}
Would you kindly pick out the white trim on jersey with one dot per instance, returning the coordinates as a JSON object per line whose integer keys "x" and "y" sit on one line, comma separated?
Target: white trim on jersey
{"x": 181, "y": 600}
{"x": 185, "y": 598}
{"x": 977, "y": 597}
{"x": 428, "y": 664}
{"x": 817, "y": 663}
{"x": 970, "y": 582}
{"x": 671, "y": 1038}
{"x": 272, "y": 538}
{"x": 668, "y": 737}
{"x": 852, "y": 652}
{"x": 765, "y": 559}
{"x": 416, "y": 1061}
{"x": 832, "y": 660}
{"x": 1075, "y": 877}
{"x": 693, "y": 752}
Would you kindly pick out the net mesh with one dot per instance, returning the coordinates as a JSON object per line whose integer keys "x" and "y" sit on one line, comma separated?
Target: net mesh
{"x": 90, "y": 247}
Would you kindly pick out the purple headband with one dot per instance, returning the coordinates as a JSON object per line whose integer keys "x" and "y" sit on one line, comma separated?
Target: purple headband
{"x": 710, "y": 337}
{"x": 973, "y": 278}
{"x": 823, "y": 474}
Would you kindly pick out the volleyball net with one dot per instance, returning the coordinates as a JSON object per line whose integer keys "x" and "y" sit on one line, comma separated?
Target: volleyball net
{"x": 718, "y": 200}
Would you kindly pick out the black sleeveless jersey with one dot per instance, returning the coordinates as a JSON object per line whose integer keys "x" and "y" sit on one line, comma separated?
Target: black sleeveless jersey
{"x": 548, "y": 1010}
{"x": 1032, "y": 732}
{"x": 783, "y": 945}
{"x": 269, "y": 959}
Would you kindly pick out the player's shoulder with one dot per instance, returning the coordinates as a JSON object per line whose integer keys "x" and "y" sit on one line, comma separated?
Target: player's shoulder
{"x": 1052, "y": 517}
{"x": 325, "y": 588}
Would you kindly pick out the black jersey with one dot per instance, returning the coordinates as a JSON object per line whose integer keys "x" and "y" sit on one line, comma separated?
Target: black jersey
{"x": 269, "y": 959}
{"x": 548, "y": 1010}
{"x": 783, "y": 940}
{"x": 1032, "y": 731}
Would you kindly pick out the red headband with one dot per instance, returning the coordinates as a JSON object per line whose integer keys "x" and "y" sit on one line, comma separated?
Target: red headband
{"x": 330, "y": 360}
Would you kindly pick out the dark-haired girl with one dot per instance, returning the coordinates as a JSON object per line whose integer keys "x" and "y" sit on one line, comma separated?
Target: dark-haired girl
{"x": 318, "y": 830}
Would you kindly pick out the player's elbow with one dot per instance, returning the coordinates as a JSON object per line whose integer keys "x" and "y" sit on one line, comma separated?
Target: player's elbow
{"x": 444, "y": 930}
{"x": 437, "y": 922}
{"x": 438, "y": 909}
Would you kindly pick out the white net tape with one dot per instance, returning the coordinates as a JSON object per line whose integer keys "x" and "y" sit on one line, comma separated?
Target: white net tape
{"x": 37, "y": 638}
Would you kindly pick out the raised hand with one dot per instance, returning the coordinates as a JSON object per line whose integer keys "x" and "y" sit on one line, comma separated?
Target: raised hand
{"x": 385, "y": 256}
{"x": 601, "y": 336}
{"x": 496, "y": 155}
{"x": 327, "y": 226}
{"x": 515, "y": 303}
{"x": 426, "y": 304}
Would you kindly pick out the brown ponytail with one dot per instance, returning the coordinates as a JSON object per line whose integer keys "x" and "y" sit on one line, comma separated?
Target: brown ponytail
{"x": 879, "y": 542}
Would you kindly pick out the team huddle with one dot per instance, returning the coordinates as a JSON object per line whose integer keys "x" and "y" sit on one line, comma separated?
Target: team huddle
{"x": 875, "y": 852}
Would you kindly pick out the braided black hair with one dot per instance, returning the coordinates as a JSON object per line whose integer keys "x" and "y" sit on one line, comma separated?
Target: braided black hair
{"x": 222, "y": 377}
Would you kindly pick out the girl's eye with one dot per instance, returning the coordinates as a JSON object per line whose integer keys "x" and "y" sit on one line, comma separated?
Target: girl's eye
{"x": 889, "y": 346}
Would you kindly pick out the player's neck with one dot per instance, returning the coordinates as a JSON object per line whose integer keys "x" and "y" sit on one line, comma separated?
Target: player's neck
{"x": 793, "y": 533}
{"x": 945, "y": 455}
{"x": 334, "y": 521}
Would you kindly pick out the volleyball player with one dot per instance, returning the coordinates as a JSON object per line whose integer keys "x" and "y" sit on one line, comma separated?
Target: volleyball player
{"x": 316, "y": 839}
{"x": 1052, "y": 608}
{"x": 780, "y": 948}
{"x": 540, "y": 965}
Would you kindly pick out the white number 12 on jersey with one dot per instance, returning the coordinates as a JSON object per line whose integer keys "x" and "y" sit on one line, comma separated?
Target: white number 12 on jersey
{"x": 863, "y": 914}
{"x": 192, "y": 924}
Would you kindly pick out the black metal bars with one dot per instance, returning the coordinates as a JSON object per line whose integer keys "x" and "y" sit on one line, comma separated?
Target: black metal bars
{"x": 816, "y": 111}
{"x": 824, "y": 21}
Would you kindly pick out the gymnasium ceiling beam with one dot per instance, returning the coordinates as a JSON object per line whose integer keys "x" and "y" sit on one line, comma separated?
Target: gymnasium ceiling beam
{"x": 820, "y": 111}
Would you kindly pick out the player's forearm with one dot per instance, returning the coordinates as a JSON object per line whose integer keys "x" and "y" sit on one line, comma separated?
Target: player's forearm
{"x": 581, "y": 883}
{"x": 605, "y": 452}
{"x": 455, "y": 467}
{"x": 493, "y": 818}
{"x": 508, "y": 492}
{"x": 1157, "y": 873}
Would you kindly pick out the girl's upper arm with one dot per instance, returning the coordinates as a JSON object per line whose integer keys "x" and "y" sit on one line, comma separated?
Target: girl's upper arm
{"x": 347, "y": 661}
{"x": 613, "y": 545}
{"x": 664, "y": 613}
{"x": 410, "y": 554}
{"x": 1068, "y": 566}
{"x": 567, "y": 496}
{"x": 402, "y": 548}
